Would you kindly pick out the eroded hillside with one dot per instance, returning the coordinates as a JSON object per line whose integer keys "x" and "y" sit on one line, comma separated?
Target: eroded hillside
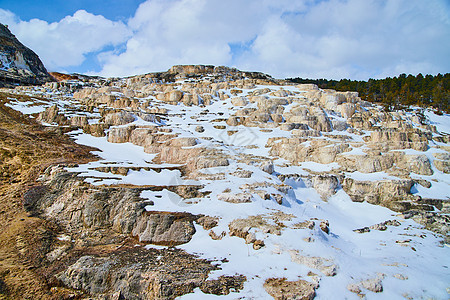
{"x": 212, "y": 181}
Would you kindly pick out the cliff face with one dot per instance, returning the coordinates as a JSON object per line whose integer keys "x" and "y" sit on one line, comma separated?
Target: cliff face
{"x": 19, "y": 64}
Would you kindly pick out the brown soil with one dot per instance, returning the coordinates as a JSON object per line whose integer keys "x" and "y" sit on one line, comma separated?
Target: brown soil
{"x": 26, "y": 149}
{"x": 61, "y": 76}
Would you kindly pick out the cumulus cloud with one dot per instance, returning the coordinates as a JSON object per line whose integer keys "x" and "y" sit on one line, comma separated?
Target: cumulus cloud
{"x": 333, "y": 39}
{"x": 65, "y": 43}
{"x": 355, "y": 39}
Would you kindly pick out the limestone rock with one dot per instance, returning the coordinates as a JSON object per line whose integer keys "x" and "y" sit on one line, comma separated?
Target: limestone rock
{"x": 119, "y": 118}
{"x": 211, "y": 162}
{"x": 79, "y": 121}
{"x": 138, "y": 273}
{"x": 199, "y": 129}
{"x": 281, "y": 289}
{"x": 324, "y": 226}
{"x": 223, "y": 285}
{"x": 373, "y": 285}
{"x": 267, "y": 167}
{"x": 184, "y": 142}
{"x": 207, "y": 222}
{"x": 324, "y": 265}
{"x": 377, "y": 192}
{"x": 307, "y": 87}
{"x": 51, "y": 115}
{"x": 239, "y": 101}
{"x": 165, "y": 228}
{"x": 442, "y": 162}
{"x": 235, "y": 198}
{"x": 119, "y": 134}
{"x": 88, "y": 273}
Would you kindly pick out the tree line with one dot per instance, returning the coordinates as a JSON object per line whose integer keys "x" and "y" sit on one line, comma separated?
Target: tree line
{"x": 397, "y": 92}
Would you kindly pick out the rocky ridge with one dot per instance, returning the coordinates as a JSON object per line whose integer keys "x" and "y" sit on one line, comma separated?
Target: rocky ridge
{"x": 18, "y": 63}
{"x": 209, "y": 160}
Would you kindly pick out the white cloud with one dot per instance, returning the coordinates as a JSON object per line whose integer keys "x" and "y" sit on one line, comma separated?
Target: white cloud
{"x": 356, "y": 39}
{"x": 65, "y": 43}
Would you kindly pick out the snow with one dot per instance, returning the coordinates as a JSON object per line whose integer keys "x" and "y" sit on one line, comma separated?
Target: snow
{"x": 26, "y": 107}
{"x": 376, "y": 176}
{"x": 442, "y": 122}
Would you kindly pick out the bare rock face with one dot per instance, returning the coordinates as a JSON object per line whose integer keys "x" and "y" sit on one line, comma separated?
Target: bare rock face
{"x": 119, "y": 134}
{"x": 18, "y": 63}
{"x": 325, "y": 185}
{"x": 114, "y": 210}
{"x": 223, "y": 285}
{"x": 281, "y": 289}
{"x": 165, "y": 228}
{"x": 239, "y": 101}
{"x": 391, "y": 138}
{"x": 119, "y": 118}
{"x": 79, "y": 121}
{"x": 138, "y": 273}
{"x": 265, "y": 223}
{"x": 442, "y": 162}
{"x": 88, "y": 273}
{"x": 376, "y": 192}
{"x": 51, "y": 115}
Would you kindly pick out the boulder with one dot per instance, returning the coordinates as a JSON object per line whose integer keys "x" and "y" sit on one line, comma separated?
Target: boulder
{"x": 165, "y": 228}
{"x": 282, "y": 289}
{"x": 239, "y": 101}
{"x": 51, "y": 115}
{"x": 383, "y": 192}
{"x": 119, "y": 118}
{"x": 79, "y": 121}
{"x": 267, "y": 167}
{"x": 235, "y": 198}
{"x": 173, "y": 96}
{"x": 119, "y": 134}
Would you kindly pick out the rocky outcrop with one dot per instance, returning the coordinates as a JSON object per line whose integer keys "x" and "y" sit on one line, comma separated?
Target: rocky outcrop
{"x": 51, "y": 115}
{"x": 119, "y": 118}
{"x": 165, "y": 228}
{"x": 138, "y": 273}
{"x": 281, "y": 288}
{"x": 384, "y": 192}
{"x": 19, "y": 64}
{"x": 116, "y": 211}
{"x": 324, "y": 265}
{"x": 372, "y": 284}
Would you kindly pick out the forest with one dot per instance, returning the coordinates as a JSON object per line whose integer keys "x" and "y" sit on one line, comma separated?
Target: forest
{"x": 397, "y": 92}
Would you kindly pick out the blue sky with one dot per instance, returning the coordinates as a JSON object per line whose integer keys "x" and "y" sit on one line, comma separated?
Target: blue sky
{"x": 55, "y": 10}
{"x": 357, "y": 39}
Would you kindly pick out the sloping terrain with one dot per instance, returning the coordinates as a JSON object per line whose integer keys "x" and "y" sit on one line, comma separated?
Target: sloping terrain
{"x": 27, "y": 148}
{"x": 212, "y": 182}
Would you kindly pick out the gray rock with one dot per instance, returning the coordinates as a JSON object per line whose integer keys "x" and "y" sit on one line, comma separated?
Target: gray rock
{"x": 165, "y": 228}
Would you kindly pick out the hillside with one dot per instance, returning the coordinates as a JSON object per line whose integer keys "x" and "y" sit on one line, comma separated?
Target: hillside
{"x": 211, "y": 182}
{"x": 18, "y": 63}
